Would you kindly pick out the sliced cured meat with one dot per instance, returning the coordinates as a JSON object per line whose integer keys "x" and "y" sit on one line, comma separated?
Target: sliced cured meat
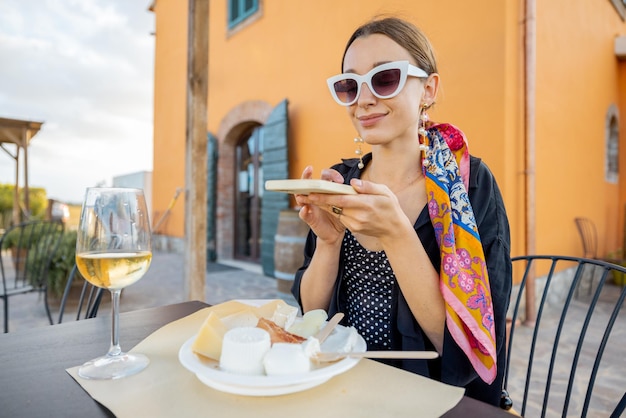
{"x": 277, "y": 334}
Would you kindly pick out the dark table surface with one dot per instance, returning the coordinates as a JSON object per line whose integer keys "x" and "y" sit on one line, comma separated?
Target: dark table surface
{"x": 34, "y": 383}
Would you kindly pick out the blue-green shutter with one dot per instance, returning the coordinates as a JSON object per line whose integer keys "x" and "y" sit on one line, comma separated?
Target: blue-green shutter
{"x": 275, "y": 166}
{"x": 211, "y": 198}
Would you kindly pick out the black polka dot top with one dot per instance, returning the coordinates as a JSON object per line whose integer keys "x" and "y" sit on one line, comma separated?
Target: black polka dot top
{"x": 368, "y": 282}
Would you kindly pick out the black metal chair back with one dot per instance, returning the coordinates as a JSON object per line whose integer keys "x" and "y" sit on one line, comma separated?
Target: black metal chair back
{"x": 33, "y": 246}
{"x": 88, "y": 301}
{"x": 568, "y": 351}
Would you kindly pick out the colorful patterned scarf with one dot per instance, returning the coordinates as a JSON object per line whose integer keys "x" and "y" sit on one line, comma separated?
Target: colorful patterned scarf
{"x": 464, "y": 280}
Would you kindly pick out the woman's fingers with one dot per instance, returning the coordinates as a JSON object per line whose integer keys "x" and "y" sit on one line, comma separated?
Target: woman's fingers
{"x": 367, "y": 187}
{"x": 332, "y": 175}
{"x": 306, "y": 213}
{"x": 324, "y": 226}
{"x": 307, "y": 173}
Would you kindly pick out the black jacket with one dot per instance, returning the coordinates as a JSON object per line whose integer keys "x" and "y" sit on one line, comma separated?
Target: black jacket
{"x": 452, "y": 367}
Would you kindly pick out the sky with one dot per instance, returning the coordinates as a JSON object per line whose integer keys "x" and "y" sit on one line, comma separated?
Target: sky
{"x": 85, "y": 68}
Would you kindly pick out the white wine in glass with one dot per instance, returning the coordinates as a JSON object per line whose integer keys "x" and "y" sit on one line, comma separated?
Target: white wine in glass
{"x": 113, "y": 250}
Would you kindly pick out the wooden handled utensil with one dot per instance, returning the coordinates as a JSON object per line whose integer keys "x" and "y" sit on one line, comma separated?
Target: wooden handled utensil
{"x": 323, "y": 333}
{"x": 324, "y": 357}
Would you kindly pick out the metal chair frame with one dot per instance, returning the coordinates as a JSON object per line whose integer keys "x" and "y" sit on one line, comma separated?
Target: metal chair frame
{"x": 90, "y": 297}
{"x": 531, "y": 262}
{"x": 38, "y": 237}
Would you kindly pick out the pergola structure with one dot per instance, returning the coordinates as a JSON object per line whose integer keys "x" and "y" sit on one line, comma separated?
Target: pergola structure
{"x": 19, "y": 133}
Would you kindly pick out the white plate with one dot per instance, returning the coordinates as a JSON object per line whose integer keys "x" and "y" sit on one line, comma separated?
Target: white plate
{"x": 258, "y": 391}
{"x": 209, "y": 373}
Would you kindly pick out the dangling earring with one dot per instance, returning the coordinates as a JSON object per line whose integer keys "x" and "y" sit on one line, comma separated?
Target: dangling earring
{"x": 359, "y": 152}
{"x": 422, "y": 133}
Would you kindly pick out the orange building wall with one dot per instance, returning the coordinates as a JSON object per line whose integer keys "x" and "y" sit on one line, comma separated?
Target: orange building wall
{"x": 577, "y": 81}
{"x": 169, "y": 114}
{"x": 293, "y": 46}
{"x": 279, "y": 56}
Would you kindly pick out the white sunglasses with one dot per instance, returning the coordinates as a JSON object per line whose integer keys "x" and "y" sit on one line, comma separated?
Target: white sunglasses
{"x": 384, "y": 81}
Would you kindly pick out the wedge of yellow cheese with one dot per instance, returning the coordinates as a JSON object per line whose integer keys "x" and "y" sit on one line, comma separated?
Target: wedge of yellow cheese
{"x": 228, "y": 308}
{"x": 267, "y": 309}
{"x": 245, "y": 318}
{"x": 233, "y": 314}
{"x": 209, "y": 340}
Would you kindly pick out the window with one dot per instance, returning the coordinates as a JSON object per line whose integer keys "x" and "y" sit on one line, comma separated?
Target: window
{"x": 612, "y": 146}
{"x": 239, "y": 10}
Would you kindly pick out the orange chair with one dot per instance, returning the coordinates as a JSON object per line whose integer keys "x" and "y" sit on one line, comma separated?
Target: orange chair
{"x": 588, "y": 236}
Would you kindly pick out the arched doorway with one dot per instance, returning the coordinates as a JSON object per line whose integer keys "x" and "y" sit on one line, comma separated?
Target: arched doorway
{"x": 238, "y": 127}
{"x": 248, "y": 195}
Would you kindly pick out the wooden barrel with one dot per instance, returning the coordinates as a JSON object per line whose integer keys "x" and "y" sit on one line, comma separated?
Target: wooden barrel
{"x": 289, "y": 242}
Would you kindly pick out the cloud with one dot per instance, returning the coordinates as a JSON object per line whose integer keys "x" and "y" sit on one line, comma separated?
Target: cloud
{"x": 85, "y": 68}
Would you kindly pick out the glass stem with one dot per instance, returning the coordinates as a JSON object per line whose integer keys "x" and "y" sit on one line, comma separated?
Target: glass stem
{"x": 115, "y": 349}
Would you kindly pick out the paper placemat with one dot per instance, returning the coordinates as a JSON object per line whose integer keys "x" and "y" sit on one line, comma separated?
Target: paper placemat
{"x": 167, "y": 389}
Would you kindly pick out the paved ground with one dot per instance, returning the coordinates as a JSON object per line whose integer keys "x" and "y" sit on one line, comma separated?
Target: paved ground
{"x": 163, "y": 284}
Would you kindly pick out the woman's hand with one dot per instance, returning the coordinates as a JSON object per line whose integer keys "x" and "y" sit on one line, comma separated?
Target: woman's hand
{"x": 375, "y": 211}
{"x": 376, "y": 215}
{"x": 322, "y": 221}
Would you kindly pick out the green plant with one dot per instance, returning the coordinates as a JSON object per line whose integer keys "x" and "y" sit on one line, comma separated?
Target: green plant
{"x": 36, "y": 195}
{"x": 618, "y": 257}
{"x": 615, "y": 256}
{"x": 26, "y": 238}
{"x": 62, "y": 263}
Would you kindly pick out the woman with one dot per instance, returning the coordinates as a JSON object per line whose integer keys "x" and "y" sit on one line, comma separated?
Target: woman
{"x": 413, "y": 262}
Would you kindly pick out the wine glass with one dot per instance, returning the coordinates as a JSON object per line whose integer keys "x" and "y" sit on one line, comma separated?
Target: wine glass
{"x": 113, "y": 250}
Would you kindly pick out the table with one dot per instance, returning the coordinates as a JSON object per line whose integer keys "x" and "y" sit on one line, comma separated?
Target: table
{"x": 34, "y": 383}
